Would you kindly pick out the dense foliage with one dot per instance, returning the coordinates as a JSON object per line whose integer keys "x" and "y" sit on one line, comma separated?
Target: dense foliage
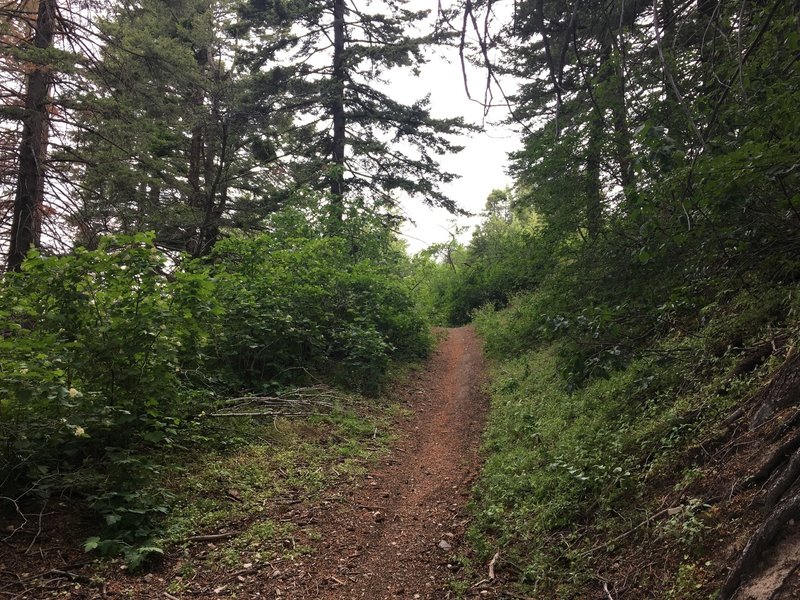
{"x": 195, "y": 205}
{"x": 112, "y": 353}
{"x": 195, "y": 118}
{"x": 638, "y": 284}
{"x": 648, "y": 249}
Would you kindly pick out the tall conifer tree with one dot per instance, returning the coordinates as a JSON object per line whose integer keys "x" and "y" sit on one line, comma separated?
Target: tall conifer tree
{"x": 31, "y": 27}
{"x": 176, "y": 140}
{"x": 352, "y": 138}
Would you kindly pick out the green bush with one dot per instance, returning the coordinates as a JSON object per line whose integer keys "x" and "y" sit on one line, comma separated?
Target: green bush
{"x": 108, "y": 357}
{"x": 310, "y": 309}
{"x": 94, "y": 349}
{"x": 116, "y": 347}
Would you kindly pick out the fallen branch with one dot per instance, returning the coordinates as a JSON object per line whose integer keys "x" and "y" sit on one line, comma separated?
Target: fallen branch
{"x": 627, "y": 533}
{"x": 481, "y": 582}
{"x": 297, "y": 402}
{"x": 69, "y": 575}
{"x": 733, "y": 417}
{"x": 492, "y": 563}
{"x": 605, "y": 589}
{"x": 212, "y": 537}
{"x": 38, "y": 530}
{"x": 248, "y": 571}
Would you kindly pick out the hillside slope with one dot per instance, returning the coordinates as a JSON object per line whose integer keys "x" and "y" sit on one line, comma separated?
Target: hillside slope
{"x": 674, "y": 477}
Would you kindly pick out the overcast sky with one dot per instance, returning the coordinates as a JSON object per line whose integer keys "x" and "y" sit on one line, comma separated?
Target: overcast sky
{"x": 482, "y": 163}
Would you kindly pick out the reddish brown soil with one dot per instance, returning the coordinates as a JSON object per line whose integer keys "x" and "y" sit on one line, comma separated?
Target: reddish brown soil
{"x": 395, "y": 533}
{"x": 384, "y": 540}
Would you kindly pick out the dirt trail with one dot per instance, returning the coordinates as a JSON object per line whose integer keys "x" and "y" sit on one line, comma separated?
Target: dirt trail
{"x": 393, "y": 536}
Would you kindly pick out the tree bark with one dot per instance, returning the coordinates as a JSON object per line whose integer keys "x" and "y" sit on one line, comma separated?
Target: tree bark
{"x": 197, "y": 143}
{"x": 337, "y": 113}
{"x": 594, "y": 200}
{"x": 622, "y": 140}
{"x": 204, "y": 172}
{"x": 619, "y": 115}
{"x": 26, "y": 225}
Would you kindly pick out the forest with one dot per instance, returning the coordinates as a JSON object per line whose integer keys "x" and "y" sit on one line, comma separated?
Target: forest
{"x": 211, "y": 320}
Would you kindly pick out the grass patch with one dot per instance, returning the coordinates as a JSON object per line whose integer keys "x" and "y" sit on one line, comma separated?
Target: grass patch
{"x": 244, "y": 477}
{"x": 286, "y": 461}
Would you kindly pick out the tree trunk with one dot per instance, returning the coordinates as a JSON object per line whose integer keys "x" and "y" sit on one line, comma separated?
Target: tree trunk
{"x": 594, "y": 198}
{"x": 26, "y": 225}
{"x": 201, "y": 159}
{"x": 216, "y": 195}
{"x": 197, "y": 143}
{"x": 619, "y": 115}
{"x": 337, "y": 113}
{"x": 622, "y": 139}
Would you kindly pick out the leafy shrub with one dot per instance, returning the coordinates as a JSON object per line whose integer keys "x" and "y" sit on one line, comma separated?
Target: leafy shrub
{"x": 308, "y": 307}
{"x": 94, "y": 349}
{"x": 108, "y": 355}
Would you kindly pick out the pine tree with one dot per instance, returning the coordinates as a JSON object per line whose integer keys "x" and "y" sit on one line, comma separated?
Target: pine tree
{"x": 177, "y": 140}
{"x": 351, "y": 137}
{"x": 36, "y": 23}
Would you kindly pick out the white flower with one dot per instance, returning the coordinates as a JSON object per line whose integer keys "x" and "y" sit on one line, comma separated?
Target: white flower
{"x": 79, "y": 431}
{"x": 73, "y": 393}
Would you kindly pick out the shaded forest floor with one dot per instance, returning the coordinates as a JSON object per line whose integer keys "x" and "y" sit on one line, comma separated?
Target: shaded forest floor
{"x": 347, "y": 512}
{"x": 371, "y": 502}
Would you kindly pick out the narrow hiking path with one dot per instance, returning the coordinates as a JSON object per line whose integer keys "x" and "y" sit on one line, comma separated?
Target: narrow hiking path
{"x": 393, "y": 534}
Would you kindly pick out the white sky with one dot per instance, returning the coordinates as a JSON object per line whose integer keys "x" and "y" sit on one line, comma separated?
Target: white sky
{"x": 482, "y": 163}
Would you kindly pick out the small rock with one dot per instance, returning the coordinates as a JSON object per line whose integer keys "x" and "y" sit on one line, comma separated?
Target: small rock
{"x": 444, "y": 545}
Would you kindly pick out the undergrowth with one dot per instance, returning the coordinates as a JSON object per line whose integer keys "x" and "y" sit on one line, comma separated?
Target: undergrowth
{"x": 240, "y": 488}
{"x": 575, "y": 474}
{"x": 112, "y": 360}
